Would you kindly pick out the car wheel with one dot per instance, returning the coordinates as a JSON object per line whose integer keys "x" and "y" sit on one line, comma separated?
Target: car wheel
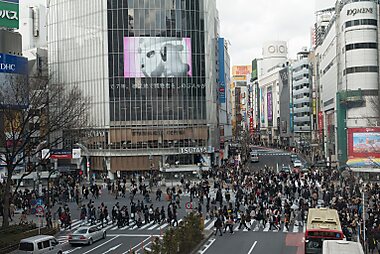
{"x": 90, "y": 241}
{"x": 59, "y": 252}
{"x": 104, "y": 235}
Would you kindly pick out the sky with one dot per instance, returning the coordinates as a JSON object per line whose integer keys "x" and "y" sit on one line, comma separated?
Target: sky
{"x": 247, "y": 24}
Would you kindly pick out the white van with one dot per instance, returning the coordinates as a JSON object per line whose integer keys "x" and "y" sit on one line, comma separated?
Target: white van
{"x": 340, "y": 246}
{"x": 40, "y": 244}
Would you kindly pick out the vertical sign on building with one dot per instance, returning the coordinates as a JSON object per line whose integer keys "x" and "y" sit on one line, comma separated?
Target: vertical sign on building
{"x": 320, "y": 124}
{"x": 222, "y": 80}
{"x": 270, "y": 106}
{"x": 9, "y": 13}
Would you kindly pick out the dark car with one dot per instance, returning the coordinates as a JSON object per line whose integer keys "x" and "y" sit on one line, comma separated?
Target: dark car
{"x": 286, "y": 169}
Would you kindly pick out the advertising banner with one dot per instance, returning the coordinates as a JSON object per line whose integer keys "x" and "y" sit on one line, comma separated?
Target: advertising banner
{"x": 320, "y": 124}
{"x": 270, "y": 106}
{"x": 364, "y": 142}
{"x": 222, "y": 79}
{"x": 157, "y": 57}
{"x": 262, "y": 104}
{"x": 9, "y": 13}
{"x": 14, "y": 90}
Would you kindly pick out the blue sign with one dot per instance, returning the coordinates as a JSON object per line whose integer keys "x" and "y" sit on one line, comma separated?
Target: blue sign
{"x": 222, "y": 79}
{"x": 13, "y": 64}
{"x": 39, "y": 202}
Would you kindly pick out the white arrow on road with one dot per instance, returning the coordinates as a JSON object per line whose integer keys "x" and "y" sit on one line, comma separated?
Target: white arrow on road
{"x": 112, "y": 249}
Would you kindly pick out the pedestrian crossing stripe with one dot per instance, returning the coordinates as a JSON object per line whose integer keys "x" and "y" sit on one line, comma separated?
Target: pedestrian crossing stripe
{"x": 273, "y": 154}
{"x": 254, "y": 225}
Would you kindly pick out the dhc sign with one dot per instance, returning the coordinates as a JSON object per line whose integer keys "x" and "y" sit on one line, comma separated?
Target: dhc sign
{"x": 353, "y": 12}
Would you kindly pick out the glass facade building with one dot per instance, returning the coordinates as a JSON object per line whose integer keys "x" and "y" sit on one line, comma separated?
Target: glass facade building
{"x": 148, "y": 67}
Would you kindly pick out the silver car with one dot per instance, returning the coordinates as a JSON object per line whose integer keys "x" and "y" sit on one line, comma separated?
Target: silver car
{"x": 87, "y": 235}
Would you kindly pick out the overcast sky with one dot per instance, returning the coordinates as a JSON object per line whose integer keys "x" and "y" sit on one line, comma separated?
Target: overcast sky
{"x": 247, "y": 24}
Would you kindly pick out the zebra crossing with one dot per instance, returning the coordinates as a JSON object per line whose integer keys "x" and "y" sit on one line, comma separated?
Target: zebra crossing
{"x": 151, "y": 226}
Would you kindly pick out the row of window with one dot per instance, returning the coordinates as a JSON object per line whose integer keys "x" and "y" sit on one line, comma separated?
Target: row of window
{"x": 304, "y": 66}
{"x": 301, "y": 77}
{"x": 302, "y": 95}
{"x": 363, "y": 45}
{"x": 358, "y": 69}
{"x": 360, "y": 22}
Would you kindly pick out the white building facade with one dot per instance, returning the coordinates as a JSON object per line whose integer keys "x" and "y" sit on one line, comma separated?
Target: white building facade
{"x": 348, "y": 64}
{"x": 274, "y": 59}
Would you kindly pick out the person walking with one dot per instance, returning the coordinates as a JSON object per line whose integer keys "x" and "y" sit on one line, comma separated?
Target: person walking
{"x": 218, "y": 224}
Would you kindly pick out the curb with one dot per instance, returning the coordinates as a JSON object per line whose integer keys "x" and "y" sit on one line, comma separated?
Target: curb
{"x": 208, "y": 234}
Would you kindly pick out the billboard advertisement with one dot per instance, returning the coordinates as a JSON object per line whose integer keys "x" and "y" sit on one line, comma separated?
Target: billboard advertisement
{"x": 157, "y": 57}
{"x": 240, "y": 72}
{"x": 222, "y": 79}
{"x": 270, "y": 106}
{"x": 9, "y": 13}
{"x": 13, "y": 81}
{"x": 364, "y": 142}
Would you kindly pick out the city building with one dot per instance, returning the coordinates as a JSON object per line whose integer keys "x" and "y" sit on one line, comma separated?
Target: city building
{"x": 225, "y": 114}
{"x": 254, "y": 117}
{"x": 149, "y": 68}
{"x": 239, "y": 98}
{"x": 302, "y": 99}
{"x": 348, "y": 64}
{"x": 274, "y": 59}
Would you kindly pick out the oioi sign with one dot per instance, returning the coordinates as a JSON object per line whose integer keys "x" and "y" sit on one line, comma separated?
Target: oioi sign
{"x": 9, "y": 13}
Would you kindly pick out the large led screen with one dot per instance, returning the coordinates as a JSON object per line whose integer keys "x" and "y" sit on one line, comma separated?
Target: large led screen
{"x": 157, "y": 57}
{"x": 364, "y": 142}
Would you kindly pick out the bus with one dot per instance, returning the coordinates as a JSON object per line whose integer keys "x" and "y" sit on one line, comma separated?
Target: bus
{"x": 338, "y": 247}
{"x": 322, "y": 224}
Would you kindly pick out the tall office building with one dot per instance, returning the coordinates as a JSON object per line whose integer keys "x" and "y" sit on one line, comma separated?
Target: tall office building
{"x": 302, "y": 97}
{"x": 149, "y": 69}
{"x": 348, "y": 64}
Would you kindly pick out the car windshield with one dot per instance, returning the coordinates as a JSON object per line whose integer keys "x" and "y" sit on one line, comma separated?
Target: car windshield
{"x": 26, "y": 246}
{"x": 81, "y": 231}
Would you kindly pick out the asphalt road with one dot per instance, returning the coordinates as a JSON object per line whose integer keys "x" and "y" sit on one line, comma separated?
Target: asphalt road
{"x": 132, "y": 239}
{"x": 262, "y": 240}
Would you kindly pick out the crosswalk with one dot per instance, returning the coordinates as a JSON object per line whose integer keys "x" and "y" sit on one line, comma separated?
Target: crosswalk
{"x": 160, "y": 228}
{"x": 273, "y": 154}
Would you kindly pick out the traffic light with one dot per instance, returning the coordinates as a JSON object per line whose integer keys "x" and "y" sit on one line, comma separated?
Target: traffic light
{"x": 80, "y": 172}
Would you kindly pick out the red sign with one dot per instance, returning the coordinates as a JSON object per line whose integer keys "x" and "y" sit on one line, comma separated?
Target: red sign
{"x": 189, "y": 205}
{"x": 39, "y": 210}
{"x": 364, "y": 142}
{"x": 320, "y": 124}
{"x": 60, "y": 154}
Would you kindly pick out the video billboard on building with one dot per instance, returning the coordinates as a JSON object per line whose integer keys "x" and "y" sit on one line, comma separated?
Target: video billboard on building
{"x": 9, "y": 13}
{"x": 13, "y": 81}
{"x": 270, "y": 106}
{"x": 364, "y": 142}
{"x": 157, "y": 57}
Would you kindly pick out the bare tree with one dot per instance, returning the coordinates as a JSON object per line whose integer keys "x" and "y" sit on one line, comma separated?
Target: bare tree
{"x": 375, "y": 103}
{"x": 34, "y": 114}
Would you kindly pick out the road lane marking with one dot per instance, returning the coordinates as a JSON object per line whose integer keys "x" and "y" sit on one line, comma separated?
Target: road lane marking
{"x": 207, "y": 247}
{"x": 112, "y": 249}
{"x": 147, "y": 225}
{"x": 100, "y": 245}
{"x": 136, "y": 246}
{"x": 154, "y": 225}
{"x": 253, "y": 246}
{"x": 69, "y": 251}
{"x": 210, "y": 225}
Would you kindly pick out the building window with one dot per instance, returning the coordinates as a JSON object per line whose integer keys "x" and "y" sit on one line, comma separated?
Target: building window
{"x": 364, "y": 45}
{"x": 359, "y": 69}
{"x": 360, "y": 22}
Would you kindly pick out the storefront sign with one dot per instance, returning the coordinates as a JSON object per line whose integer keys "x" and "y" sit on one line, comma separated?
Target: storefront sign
{"x": 355, "y": 11}
{"x": 9, "y": 13}
{"x": 192, "y": 150}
